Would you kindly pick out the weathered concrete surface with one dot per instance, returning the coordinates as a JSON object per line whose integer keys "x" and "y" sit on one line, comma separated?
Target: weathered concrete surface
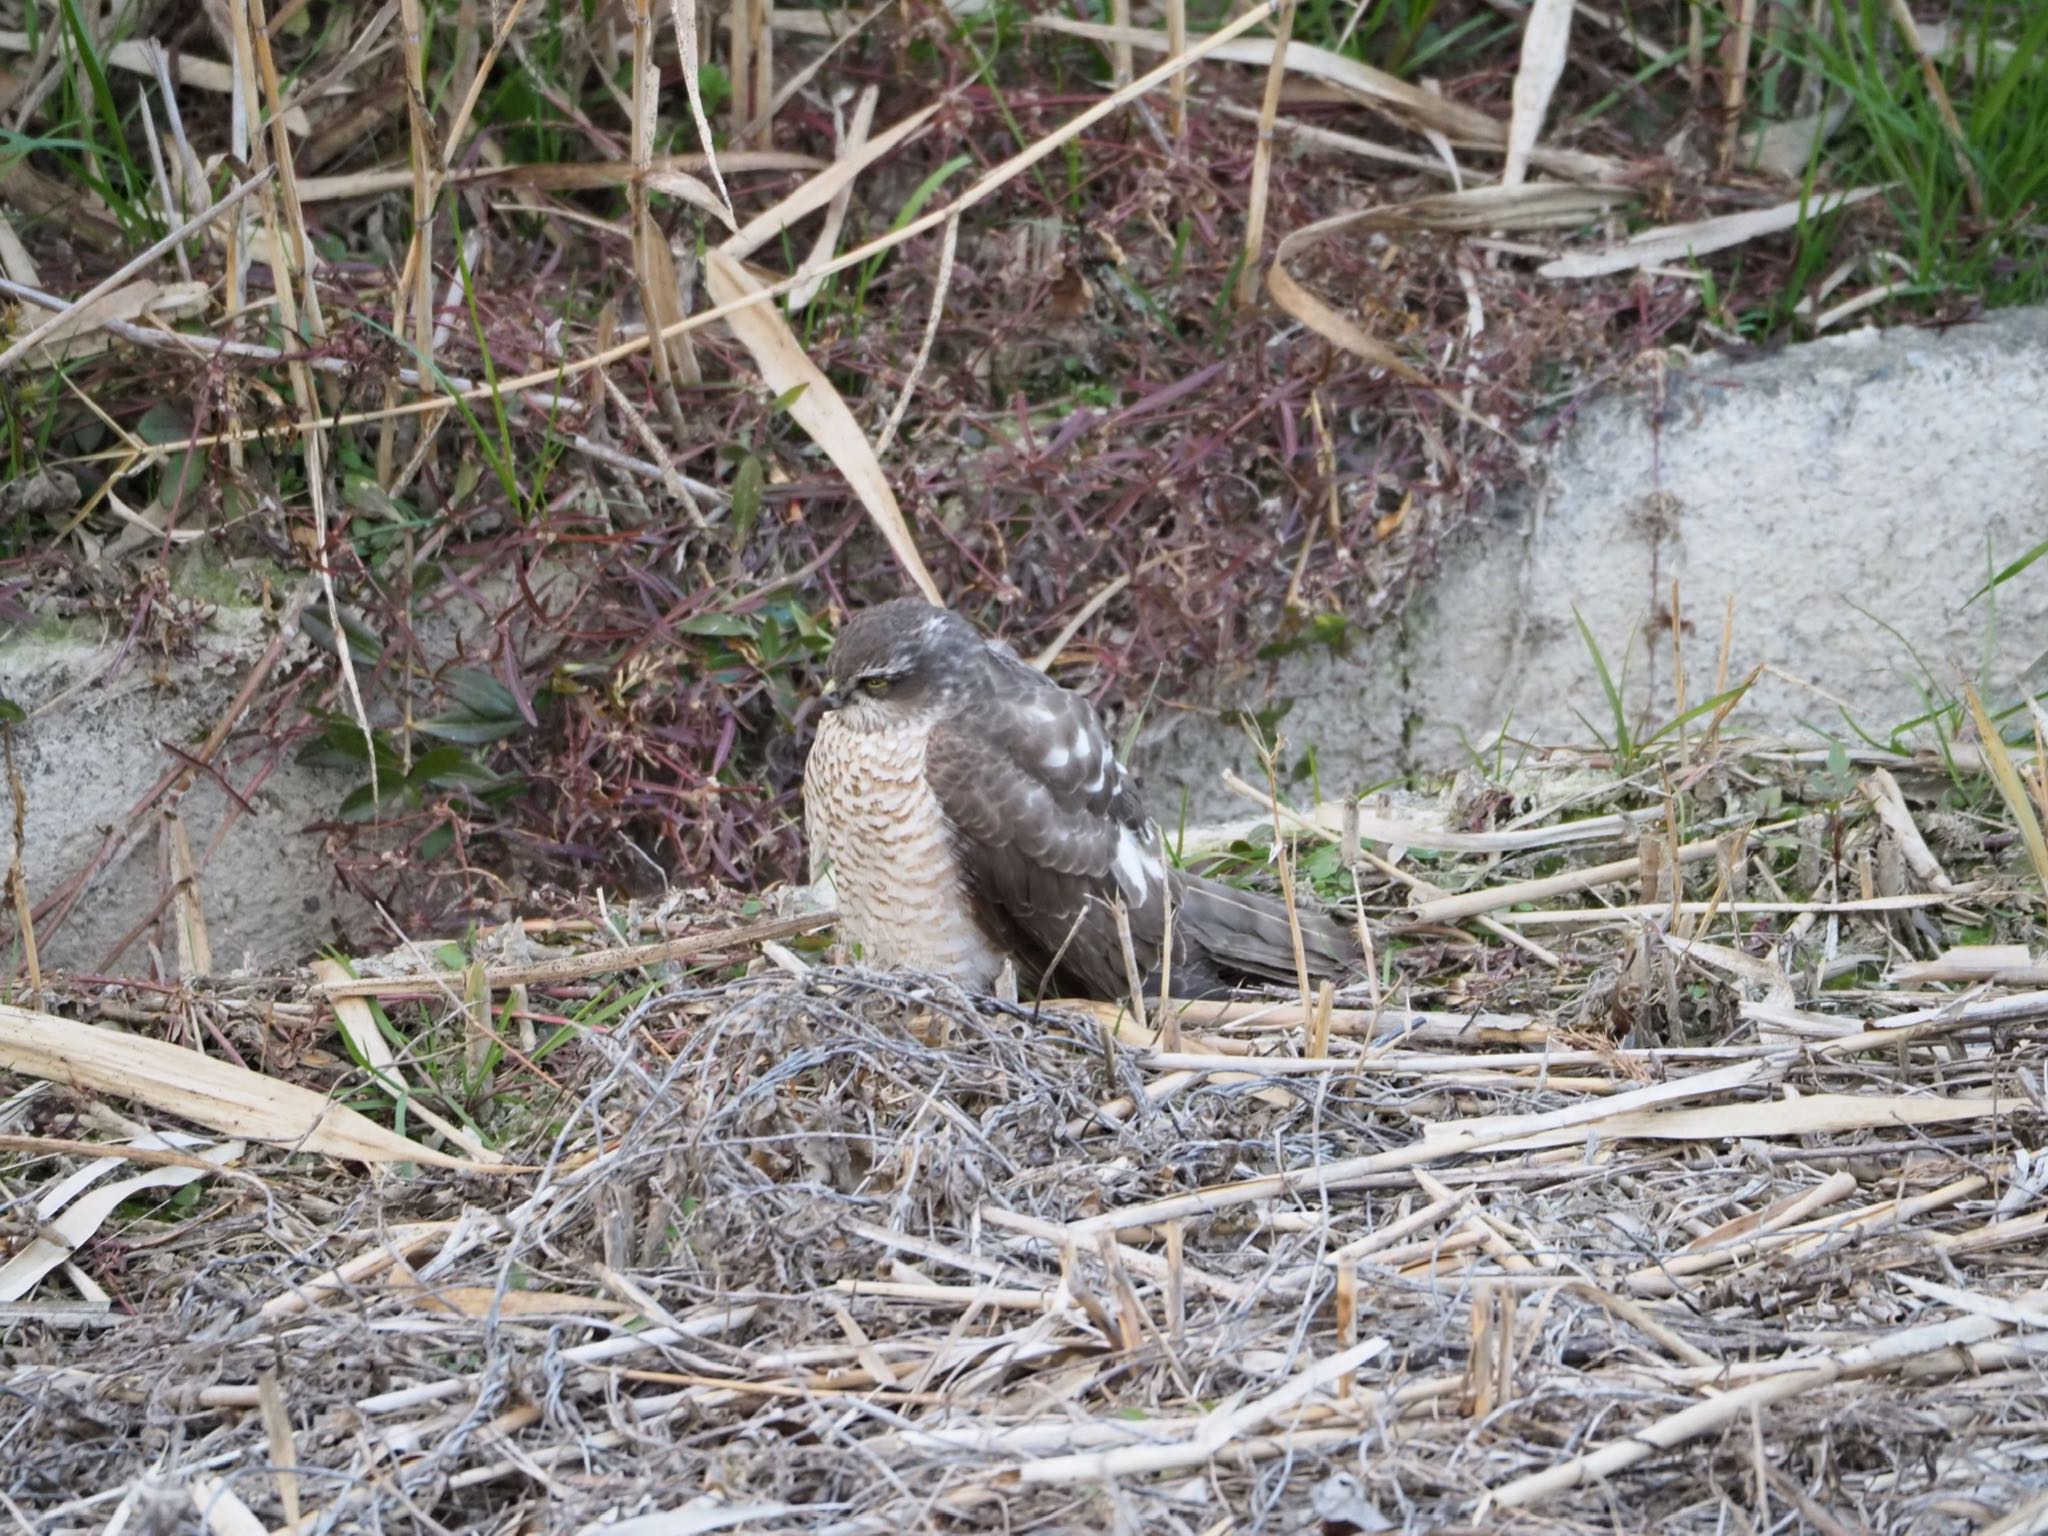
{"x": 93, "y": 747}
{"x": 1849, "y": 494}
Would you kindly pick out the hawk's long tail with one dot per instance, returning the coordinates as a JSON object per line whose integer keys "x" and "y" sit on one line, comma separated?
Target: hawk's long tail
{"x": 1246, "y": 934}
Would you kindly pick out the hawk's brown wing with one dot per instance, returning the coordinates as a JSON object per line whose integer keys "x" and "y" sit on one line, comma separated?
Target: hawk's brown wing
{"x": 1049, "y": 832}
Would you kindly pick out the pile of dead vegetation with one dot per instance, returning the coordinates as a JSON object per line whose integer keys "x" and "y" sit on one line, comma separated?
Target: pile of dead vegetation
{"x": 1630, "y": 1191}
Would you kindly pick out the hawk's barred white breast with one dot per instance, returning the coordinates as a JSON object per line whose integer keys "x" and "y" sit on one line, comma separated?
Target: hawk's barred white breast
{"x": 968, "y": 810}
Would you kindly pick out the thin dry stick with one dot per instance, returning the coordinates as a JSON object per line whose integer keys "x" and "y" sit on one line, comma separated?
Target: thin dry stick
{"x": 653, "y": 269}
{"x": 17, "y": 882}
{"x": 1365, "y": 947}
{"x": 1958, "y": 141}
{"x": 1266, "y": 757}
{"x": 1169, "y": 1016}
{"x": 296, "y": 260}
{"x": 949, "y": 244}
{"x": 688, "y": 54}
{"x": 739, "y": 38}
{"x": 1319, "y": 1033}
{"x": 1678, "y": 669}
{"x": 852, "y": 138}
{"x": 1721, "y": 674}
{"x": 1262, "y": 161}
{"x": 1176, "y": 1294}
{"x": 161, "y": 177}
{"x": 458, "y": 125}
{"x": 578, "y": 967}
{"x": 1056, "y": 646}
{"x": 1451, "y": 909}
{"x": 759, "y": 129}
{"x": 1177, "y": 96}
{"x": 277, "y": 1428}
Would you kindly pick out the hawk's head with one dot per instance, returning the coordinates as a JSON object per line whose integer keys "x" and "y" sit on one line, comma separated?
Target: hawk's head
{"x": 903, "y": 654}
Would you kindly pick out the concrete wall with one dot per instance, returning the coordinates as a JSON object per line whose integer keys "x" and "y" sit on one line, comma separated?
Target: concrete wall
{"x": 1849, "y": 494}
{"x": 92, "y": 748}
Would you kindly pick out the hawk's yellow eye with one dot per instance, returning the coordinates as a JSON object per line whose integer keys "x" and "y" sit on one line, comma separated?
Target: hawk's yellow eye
{"x": 875, "y": 684}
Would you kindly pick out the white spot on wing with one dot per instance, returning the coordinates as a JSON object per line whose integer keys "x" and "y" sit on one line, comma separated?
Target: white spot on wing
{"x": 1105, "y": 761}
{"x": 1057, "y": 757}
{"x": 1136, "y": 865}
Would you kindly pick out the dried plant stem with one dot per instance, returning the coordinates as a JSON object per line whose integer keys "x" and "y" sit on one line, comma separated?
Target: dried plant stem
{"x": 1735, "y": 89}
{"x": 418, "y": 276}
{"x": 1959, "y": 143}
{"x": 1262, "y": 161}
{"x": 1177, "y": 93}
{"x": 949, "y": 244}
{"x": 17, "y": 882}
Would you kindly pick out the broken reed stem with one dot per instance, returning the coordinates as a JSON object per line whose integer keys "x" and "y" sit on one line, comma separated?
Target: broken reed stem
{"x": 1737, "y": 82}
{"x": 418, "y": 275}
{"x": 1262, "y": 161}
{"x": 2011, "y": 788}
{"x": 1132, "y": 975}
{"x": 1121, "y": 64}
{"x": 1319, "y": 1033}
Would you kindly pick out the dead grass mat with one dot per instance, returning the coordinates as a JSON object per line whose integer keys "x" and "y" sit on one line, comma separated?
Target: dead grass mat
{"x": 1663, "y": 1238}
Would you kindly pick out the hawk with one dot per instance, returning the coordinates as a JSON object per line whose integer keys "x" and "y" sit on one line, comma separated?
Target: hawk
{"x": 970, "y": 810}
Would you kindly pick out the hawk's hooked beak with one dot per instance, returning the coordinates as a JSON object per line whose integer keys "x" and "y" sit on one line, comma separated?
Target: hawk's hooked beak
{"x": 829, "y": 692}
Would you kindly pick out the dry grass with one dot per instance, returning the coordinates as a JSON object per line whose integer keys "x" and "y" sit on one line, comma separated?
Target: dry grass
{"x": 1732, "y": 1223}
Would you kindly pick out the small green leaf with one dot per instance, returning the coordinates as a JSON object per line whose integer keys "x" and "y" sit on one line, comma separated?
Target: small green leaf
{"x": 483, "y": 695}
{"x": 2010, "y": 571}
{"x": 791, "y": 395}
{"x": 360, "y": 805}
{"x": 435, "y": 763}
{"x": 724, "y": 625}
{"x": 364, "y": 494}
{"x": 11, "y": 713}
{"x": 363, "y": 642}
{"x": 468, "y": 729}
